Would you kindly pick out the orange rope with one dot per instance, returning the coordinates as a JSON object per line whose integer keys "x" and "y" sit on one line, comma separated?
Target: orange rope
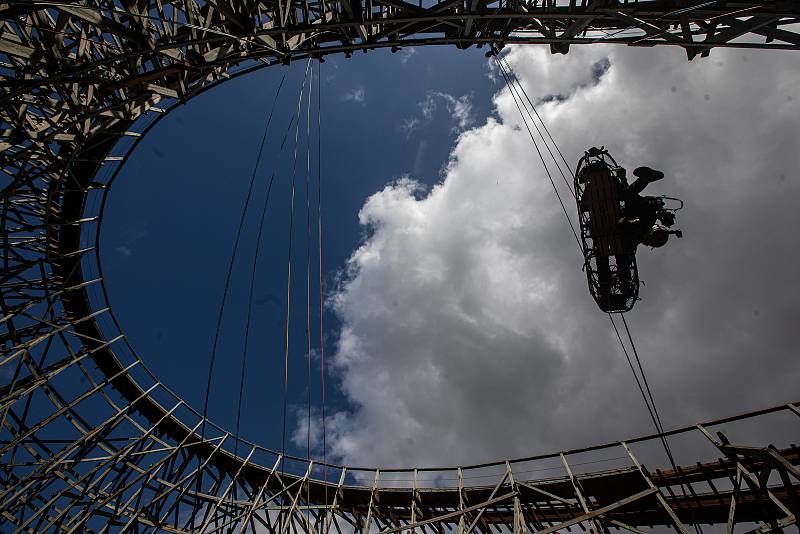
{"x": 321, "y": 285}
{"x": 308, "y": 276}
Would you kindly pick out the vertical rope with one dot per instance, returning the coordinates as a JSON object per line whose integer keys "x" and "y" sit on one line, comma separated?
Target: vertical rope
{"x": 253, "y": 273}
{"x": 231, "y": 263}
{"x": 321, "y": 276}
{"x": 657, "y": 420}
{"x": 645, "y": 390}
{"x": 514, "y": 84}
{"x": 289, "y": 272}
{"x": 308, "y": 277}
{"x": 544, "y": 125}
{"x": 199, "y": 475}
{"x": 541, "y": 156}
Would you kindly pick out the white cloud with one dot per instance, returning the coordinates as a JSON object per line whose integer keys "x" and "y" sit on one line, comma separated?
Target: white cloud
{"x": 468, "y": 332}
{"x": 331, "y": 72}
{"x": 428, "y": 105}
{"x": 406, "y": 53}
{"x": 460, "y": 110}
{"x": 409, "y": 125}
{"x": 357, "y": 95}
{"x": 131, "y": 236}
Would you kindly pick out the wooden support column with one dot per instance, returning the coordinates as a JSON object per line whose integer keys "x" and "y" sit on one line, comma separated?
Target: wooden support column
{"x": 224, "y": 496}
{"x": 246, "y": 521}
{"x": 460, "y": 528}
{"x": 489, "y": 500}
{"x": 759, "y": 485}
{"x": 296, "y": 497}
{"x": 589, "y": 516}
{"x": 372, "y": 499}
{"x": 414, "y": 499}
{"x": 336, "y": 498}
{"x": 578, "y": 492}
{"x": 437, "y": 521}
{"x": 519, "y": 522}
{"x": 664, "y": 504}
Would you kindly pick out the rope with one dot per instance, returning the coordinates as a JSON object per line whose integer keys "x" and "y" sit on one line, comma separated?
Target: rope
{"x": 308, "y": 265}
{"x": 289, "y": 270}
{"x": 655, "y": 416}
{"x": 227, "y": 287}
{"x": 538, "y": 151}
{"x": 641, "y": 370}
{"x": 231, "y": 262}
{"x": 518, "y": 87}
{"x": 645, "y": 390}
{"x": 308, "y": 279}
{"x": 321, "y": 285}
{"x": 544, "y": 125}
{"x": 253, "y": 274}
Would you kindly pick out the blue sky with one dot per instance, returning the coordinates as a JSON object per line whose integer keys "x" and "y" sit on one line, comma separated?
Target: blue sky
{"x": 462, "y": 330}
{"x": 174, "y": 209}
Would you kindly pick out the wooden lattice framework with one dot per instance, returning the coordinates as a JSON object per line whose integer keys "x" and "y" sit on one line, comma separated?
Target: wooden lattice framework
{"x": 91, "y": 441}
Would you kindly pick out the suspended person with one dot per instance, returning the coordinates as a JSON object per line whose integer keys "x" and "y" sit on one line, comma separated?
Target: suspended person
{"x": 645, "y": 220}
{"x": 615, "y": 218}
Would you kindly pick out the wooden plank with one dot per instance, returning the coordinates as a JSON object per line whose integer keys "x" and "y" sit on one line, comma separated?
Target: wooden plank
{"x": 16, "y": 49}
{"x": 451, "y": 515}
{"x": 600, "y": 511}
{"x": 664, "y": 504}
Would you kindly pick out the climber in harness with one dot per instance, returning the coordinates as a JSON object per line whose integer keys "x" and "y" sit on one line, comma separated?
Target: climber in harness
{"x": 614, "y": 220}
{"x": 645, "y": 219}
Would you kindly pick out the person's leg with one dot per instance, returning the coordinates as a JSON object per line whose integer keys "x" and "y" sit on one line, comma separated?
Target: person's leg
{"x": 644, "y": 176}
{"x": 604, "y": 282}
{"x": 624, "y": 267}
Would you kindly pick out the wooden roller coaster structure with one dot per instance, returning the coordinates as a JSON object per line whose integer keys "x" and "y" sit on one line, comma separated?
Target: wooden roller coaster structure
{"x": 91, "y": 441}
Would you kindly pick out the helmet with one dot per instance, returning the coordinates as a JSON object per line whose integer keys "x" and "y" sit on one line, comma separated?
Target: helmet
{"x": 666, "y": 217}
{"x": 656, "y": 237}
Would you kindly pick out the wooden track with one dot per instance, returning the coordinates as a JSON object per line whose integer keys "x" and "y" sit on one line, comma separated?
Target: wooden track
{"x": 91, "y": 441}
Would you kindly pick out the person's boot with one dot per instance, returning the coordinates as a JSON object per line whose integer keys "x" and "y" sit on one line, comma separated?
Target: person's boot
{"x": 648, "y": 174}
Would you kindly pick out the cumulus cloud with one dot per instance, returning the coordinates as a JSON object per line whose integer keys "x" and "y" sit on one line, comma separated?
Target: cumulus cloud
{"x": 357, "y": 95}
{"x": 468, "y": 332}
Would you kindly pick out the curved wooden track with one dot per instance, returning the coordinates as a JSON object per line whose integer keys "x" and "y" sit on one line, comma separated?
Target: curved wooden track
{"x": 91, "y": 441}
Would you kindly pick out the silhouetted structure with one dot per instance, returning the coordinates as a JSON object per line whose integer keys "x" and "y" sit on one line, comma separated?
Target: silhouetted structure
{"x": 614, "y": 220}
{"x": 91, "y": 441}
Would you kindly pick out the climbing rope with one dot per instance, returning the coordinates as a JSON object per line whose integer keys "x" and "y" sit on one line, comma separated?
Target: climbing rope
{"x": 308, "y": 277}
{"x": 523, "y": 101}
{"x": 305, "y": 93}
{"x": 521, "y": 87}
{"x": 292, "y": 120}
{"x": 289, "y": 267}
{"x": 253, "y": 275}
{"x": 522, "y": 113}
{"x": 654, "y": 413}
{"x": 231, "y": 263}
{"x": 225, "y": 291}
{"x": 321, "y": 281}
